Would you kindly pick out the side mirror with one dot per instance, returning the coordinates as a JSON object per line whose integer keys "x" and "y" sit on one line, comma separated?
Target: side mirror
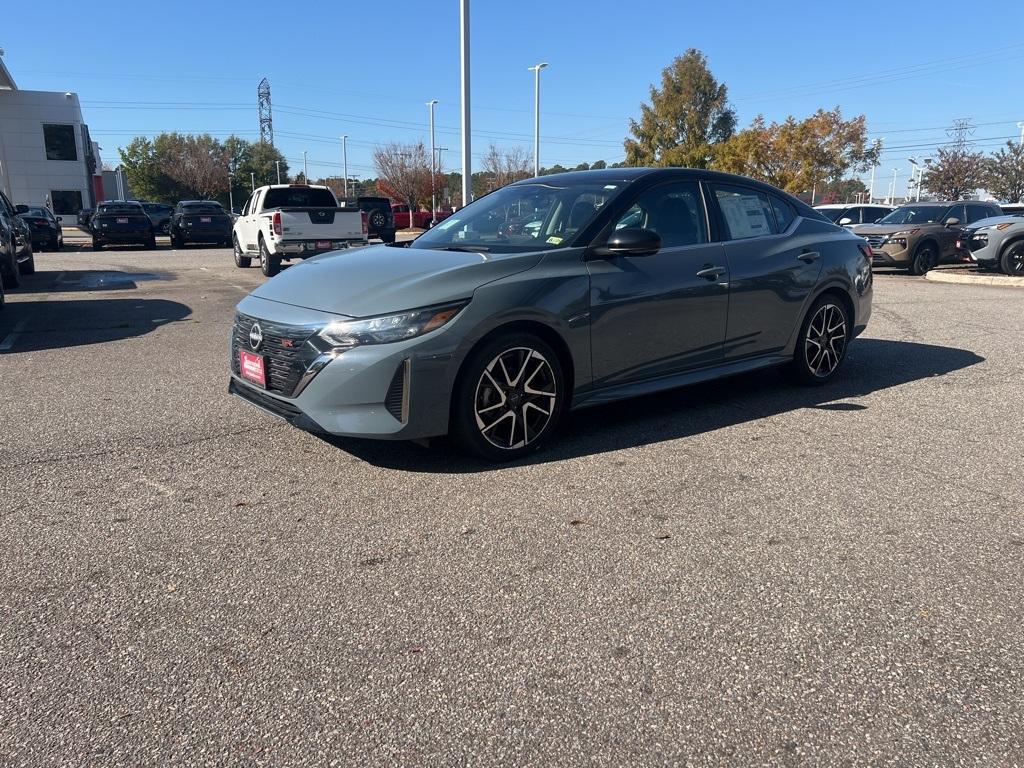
{"x": 630, "y": 241}
{"x": 21, "y": 208}
{"x": 952, "y": 221}
{"x": 845, "y": 220}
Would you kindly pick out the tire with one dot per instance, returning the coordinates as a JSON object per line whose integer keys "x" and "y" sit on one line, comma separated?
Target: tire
{"x": 2, "y": 297}
{"x": 151, "y": 243}
{"x": 388, "y": 236}
{"x": 12, "y": 275}
{"x": 925, "y": 258}
{"x": 55, "y": 244}
{"x": 827, "y": 326}
{"x": 269, "y": 265}
{"x": 96, "y": 246}
{"x": 28, "y": 267}
{"x": 240, "y": 260}
{"x": 483, "y": 424}
{"x": 1012, "y": 260}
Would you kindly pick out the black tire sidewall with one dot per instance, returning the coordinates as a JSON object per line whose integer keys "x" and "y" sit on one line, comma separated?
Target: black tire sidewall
{"x": 921, "y": 250}
{"x": 269, "y": 266}
{"x": 1004, "y": 262}
{"x": 463, "y": 416}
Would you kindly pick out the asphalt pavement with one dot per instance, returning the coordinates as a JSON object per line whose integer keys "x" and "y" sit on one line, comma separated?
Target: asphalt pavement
{"x": 742, "y": 573}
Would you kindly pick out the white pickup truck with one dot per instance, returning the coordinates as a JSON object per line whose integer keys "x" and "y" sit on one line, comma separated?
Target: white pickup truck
{"x": 280, "y": 222}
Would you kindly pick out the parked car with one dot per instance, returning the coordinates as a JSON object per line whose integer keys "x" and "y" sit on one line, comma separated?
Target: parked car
{"x": 420, "y": 219}
{"x": 281, "y": 222}
{"x": 1012, "y": 209}
{"x": 491, "y": 337}
{"x": 83, "y": 217}
{"x": 7, "y": 248}
{"x": 121, "y": 221}
{"x": 846, "y": 215}
{"x": 920, "y": 236}
{"x": 159, "y": 214}
{"x": 997, "y": 243}
{"x": 380, "y": 221}
{"x": 24, "y": 262}
{"x": 45, "y": 229}
{"x": 200, "y": 221}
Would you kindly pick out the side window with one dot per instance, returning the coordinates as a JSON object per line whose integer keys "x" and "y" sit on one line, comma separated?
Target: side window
{"x": 784, "y": 214}
{"x": 675, "y": 211}
{"x": 871, "y": 215}
{"x": 976, "y": 213}
{"x": 955, "y": 212}
{"x": 245, "y": 208}
{"x": 747, "y": 213}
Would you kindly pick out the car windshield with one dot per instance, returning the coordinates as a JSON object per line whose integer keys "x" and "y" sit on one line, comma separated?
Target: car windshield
{"x": 209, "y": 207}
{"x": 832, "y": 214}
{"x": 299, "y": 197}
{"x": 120, "y": 208}
{"x": 35, "y": 212}
{"x": 915, "y": 214}
{"x": 523, "y": 217}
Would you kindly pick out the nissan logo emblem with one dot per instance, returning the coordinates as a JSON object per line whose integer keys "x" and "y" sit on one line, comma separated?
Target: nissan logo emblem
{"x": 255, "y": 336}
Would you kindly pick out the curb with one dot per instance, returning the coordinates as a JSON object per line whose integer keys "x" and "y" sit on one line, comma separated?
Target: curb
{"x": 949, "y": 276}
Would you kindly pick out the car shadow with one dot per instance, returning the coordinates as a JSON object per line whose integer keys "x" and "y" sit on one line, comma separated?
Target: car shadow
{"x": 72, "y": 280}
{"x": 32, "y": 326}
{"x": 871, "y": 366}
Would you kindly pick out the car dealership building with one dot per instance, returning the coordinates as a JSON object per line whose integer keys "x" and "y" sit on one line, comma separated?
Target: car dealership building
{"x": 46, "y": 155}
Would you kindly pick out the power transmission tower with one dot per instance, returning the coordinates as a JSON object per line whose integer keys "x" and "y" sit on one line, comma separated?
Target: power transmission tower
{"x": 266, "y": 114}
{"x": 960, "y": 132}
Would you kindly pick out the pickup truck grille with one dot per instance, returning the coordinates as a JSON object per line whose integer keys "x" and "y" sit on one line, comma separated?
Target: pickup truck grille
{"x": 284, "y": 349}
{"x": 875, "y": 241}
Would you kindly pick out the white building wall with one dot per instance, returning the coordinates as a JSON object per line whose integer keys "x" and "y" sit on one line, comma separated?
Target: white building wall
{"x": 25, "y": 174}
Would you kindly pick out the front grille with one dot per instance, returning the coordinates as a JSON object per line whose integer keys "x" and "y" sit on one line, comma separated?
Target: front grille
{"x": 285, "y": 350}
{"x": 875, "y": 241}
{"x": 394, "y": 401}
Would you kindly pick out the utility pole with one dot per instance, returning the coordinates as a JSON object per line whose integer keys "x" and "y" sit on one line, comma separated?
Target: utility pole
{"x": 344, "y": 162}
{"x": 433, "y": 168}
{"x": 278, "y": 164}
{"x": 536, "y": 116}
{"x": 1021, "y": 126}
{"x": 467, "y": 159}
{"x": 305, "y": 166}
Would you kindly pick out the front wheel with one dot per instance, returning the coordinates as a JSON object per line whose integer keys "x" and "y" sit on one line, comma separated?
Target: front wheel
{"x": 925, "y": 258}
{"x": 240, "y": 260}
{"x": 28, "y": 267}
{"x": 12, "y": 277}
{"x": 821, "y": 345}
{"x": 269, "y": 265}
{"x": 508, "y": 398}
{"x": 1012, "y": 262}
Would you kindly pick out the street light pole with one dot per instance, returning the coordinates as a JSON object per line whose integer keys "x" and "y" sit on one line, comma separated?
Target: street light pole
{"x": 536, "y": 116}
{"x": 305, "y": 166}
{"x": 433, "y": 168}
{"x": 467, "y": 160}
{"x": 252, "y": 180}
{"x": 1021, "y": 126}
{"x": 344, "y": 161}
{"x": 231, "y": 191}
{"x": 277, "y": 164}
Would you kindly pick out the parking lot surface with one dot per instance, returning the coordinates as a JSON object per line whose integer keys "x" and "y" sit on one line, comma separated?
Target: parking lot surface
{"x": 739, "y": 573}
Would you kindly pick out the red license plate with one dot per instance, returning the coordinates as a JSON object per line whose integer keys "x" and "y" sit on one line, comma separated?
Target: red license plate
{"x": 205, "y": 219}
{"x": 251, "y": 366}
{"x": 321, "y": 244}
{"x": 122, "y": 221}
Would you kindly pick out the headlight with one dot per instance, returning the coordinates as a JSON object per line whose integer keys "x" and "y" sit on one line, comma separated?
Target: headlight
{"x": 1000, "y": 227}
{"x": 905, "y": 233}
{"x": 345, "y": 334}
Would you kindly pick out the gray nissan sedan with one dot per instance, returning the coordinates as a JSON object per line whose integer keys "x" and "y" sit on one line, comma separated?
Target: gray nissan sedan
{"x": 550, "y": 294}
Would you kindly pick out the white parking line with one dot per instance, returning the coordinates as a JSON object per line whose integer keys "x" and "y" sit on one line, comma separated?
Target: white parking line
{"x": 8, "y": 342}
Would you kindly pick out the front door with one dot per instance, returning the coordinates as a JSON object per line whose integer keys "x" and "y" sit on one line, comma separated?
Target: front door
{"x": 661, "y": 314}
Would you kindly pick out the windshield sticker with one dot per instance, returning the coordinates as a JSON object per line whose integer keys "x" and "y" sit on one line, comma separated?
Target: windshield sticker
{"x": 554, "y": 240}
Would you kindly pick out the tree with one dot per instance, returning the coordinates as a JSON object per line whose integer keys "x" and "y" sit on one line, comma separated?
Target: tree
{"x": 143, "y": 163}
{"x": 798, "y": 155}
{"x": 842, "y": 191}
{"x": 403, "y": 172}
{"x": 956, "y": 173}
{"x": 501, "y": 167}
{"x": 1004, "y": 173}
{"x": 686, "y": 118}
{"x": 261, "y": 161}
{"x": 199, "y": 164}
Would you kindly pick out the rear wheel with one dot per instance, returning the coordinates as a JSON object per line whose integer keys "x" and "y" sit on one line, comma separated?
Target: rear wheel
{"x": 12, "y": 274}
{"x": 151, "y": 243}
{"x": 925, "y": 258}
{"x": 1012, "y": 262}
{"x": 28, "y": 266}
{"x": 96, "y": 246}
{"x": 269, "y": 265}
{"x": 508, "y": 398}
{"x": 240, "y": 260}
{"x": 821, "y": 345}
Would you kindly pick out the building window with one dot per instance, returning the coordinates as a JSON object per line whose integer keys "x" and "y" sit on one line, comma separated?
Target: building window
{"x": 66, "y": 202}
{"x": 60, "y": 142}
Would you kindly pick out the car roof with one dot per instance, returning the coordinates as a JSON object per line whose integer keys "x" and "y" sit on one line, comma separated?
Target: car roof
{"x": 852, "y": 205}
{"x": 198, "y": 202}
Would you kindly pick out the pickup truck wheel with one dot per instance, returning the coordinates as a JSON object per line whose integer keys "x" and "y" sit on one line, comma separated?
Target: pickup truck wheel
{"x": 269, "y": 265}
{"x": 240, "y": 260}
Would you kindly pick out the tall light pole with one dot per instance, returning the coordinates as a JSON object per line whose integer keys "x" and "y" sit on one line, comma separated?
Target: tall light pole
{"x": 277, "y": 164}
{"x": 892, "y": 197}
{"x": 467, "y": 160}
{"x": 536, "y": 68}
{"x": 231, "y": 191}
{"x": 344, "y": 161}
{"x": 305, "y": 166}
{"x": 252, "y": 180}
{"x": 433, "y": 168}
{"x": 1021, "y": 126}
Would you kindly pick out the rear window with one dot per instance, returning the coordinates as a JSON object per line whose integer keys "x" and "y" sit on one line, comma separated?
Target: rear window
{"x": 120, "y": 208}
{"x": 784, "y": 214}
{"x": 747, "y": 212}
{"x": 38, "y": 212}
{"x": 204, "y": 207}
{"x": 299, "y": 197}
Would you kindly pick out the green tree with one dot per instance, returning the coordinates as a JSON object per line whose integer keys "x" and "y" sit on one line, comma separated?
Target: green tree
{"x": 956, "y": 172}
{"x": 798, "y": 155}
{"x": 686, "y": 118}
{"x": 259, "y": 160}
{"x": 1004, "y": 173}
{"x": 144, "y": 161}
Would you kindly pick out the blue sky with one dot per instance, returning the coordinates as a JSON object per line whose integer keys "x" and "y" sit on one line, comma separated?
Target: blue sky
{"x": 367, "y": 69}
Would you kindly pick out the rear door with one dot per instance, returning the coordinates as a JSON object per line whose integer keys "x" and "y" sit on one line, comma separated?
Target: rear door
{"x": 772, "y": 269}
{"x": 665, "y": 313}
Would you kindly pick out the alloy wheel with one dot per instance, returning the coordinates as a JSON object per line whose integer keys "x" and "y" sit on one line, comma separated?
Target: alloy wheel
{"x": 515, "y": 398}
{"x": 1013, "y": 261}
{"x": 826, "y": 340}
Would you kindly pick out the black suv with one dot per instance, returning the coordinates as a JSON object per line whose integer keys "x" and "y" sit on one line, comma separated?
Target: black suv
{"x": 380, "y": 219}
{"x": 200, "y": 221}
{"x": 22, "y": 262}
{"x": 121, "y": 221}
{"x": 159, "y": 214}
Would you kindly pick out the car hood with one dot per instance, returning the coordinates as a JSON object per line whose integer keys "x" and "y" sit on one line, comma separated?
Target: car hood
{"x": 888, "y": 229}
{"x": 994, "y": 220}
{"x": 379, "y": 280}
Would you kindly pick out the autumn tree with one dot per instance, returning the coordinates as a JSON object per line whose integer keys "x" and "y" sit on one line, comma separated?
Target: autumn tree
{"x": 842, "y": 191}
{"x": 403, "y": 172}
{"x": 198, "y": 164}
{"x": 1004, "y": 173}
{"x": 503, "y": 166}
{"x": 797, "y": 155}
{"x": 685, "y": 119}
{"x": 956, "y": 172}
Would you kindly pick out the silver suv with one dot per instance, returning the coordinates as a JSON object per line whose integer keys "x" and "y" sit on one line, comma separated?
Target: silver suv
{"x": 997, "y": 243}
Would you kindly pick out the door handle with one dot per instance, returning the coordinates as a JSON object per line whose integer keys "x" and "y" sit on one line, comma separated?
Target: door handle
{"x": 711, "y": 273}
{"x": 809, "y": 256}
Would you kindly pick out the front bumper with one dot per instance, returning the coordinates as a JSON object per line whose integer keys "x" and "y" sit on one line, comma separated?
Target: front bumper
{"x": 890, "y": 255}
